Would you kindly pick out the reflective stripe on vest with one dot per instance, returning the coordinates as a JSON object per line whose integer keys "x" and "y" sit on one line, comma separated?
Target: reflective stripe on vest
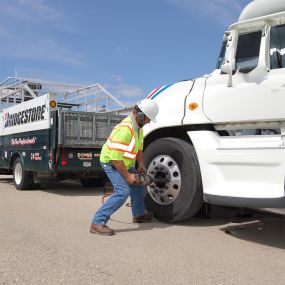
{"x": 128, "y": 149}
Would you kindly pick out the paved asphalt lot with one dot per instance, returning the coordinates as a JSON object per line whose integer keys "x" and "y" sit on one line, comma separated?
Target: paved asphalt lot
{"x": 45, "y": 239}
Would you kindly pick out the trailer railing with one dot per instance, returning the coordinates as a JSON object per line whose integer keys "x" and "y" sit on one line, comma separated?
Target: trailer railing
{"x": 85, "y": 128}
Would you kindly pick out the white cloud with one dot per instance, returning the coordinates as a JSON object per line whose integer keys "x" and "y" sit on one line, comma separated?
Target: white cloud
{"x": 33, "y": 11}
{"x": 4, "y": 33}
{"x": 128, "y": 94}
{"x": 22, "y": 39}
{"x": 224, "y": 11}
{"x": 28, "y": 10}
{"x": 121, "y": 49}
{"x": 37, "y": 5}
{"x": 128, "y": 91}
{"x": 42, "y": 49}
{"x": 118, "y": 78}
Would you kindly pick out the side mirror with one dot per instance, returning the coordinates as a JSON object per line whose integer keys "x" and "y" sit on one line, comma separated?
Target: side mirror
{"x": 227, "y": 68}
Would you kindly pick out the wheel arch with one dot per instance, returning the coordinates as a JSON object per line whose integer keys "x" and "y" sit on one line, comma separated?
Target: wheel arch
{"x": 13, "y": 158}
{"x": 178, "y": 132}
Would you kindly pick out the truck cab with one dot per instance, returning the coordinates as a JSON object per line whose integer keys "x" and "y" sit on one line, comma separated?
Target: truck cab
{"x": 220, "y": 138}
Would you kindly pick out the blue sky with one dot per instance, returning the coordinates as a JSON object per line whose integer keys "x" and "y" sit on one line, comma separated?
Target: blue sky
{"x": 128, "y": 46}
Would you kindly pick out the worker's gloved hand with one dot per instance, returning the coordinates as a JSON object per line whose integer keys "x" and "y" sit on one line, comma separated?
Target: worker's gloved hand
{"x": 131, "y": 179}
{"x": 143, "y": 179}
{"x": 141, "y": 168}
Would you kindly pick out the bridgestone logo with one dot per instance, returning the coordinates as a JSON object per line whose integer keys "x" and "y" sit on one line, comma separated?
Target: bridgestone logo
{"x": 24, "y": 117}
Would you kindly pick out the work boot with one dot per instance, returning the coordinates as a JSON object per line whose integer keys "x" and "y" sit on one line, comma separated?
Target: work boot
{"x": 146, "y": 218}
{"x": 101, "y": 230}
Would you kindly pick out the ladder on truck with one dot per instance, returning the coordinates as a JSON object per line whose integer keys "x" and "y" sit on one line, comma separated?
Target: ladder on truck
{"x": 92, "y": 98}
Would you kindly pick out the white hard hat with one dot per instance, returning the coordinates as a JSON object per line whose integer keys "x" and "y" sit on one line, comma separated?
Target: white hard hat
{"x": 149, "y": 108}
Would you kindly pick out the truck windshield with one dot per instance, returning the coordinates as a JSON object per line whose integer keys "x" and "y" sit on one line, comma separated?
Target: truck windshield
{"x": 247, "y": 54}
{"x": 222, "y": 55}
{"x": 277, "y": 47}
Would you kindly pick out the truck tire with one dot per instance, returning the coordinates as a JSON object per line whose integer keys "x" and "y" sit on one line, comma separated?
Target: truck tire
{"x": 23, "y": 179}
{"x": 181, "y": 196}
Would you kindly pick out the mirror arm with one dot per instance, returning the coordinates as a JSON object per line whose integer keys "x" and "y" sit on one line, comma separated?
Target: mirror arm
{"x": 230, "y": 79}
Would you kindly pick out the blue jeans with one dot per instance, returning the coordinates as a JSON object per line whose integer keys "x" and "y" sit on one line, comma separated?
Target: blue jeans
{"x": 122, "y": 190}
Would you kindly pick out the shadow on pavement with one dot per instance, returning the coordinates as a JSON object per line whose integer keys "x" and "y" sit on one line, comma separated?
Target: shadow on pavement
{"x": 65, "y": 188}
{"x": 7, "y": 180}
{"x": 262, "y": 227}
{"x": 143, "y": 227}
{"x": 267, "y": 229}
{"x": 258, "y": 227}
{"x": 218, "y": 216}
{"x": 70, "y": 188}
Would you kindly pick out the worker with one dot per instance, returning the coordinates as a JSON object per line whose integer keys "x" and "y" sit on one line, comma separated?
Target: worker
{"x": 118, "y": 157}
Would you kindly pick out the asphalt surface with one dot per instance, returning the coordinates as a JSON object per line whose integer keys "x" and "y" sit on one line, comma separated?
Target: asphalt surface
{"x": 45, "y": 239}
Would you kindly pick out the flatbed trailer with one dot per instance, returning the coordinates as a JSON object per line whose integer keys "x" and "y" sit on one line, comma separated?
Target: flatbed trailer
{"x": 42, "y": 140}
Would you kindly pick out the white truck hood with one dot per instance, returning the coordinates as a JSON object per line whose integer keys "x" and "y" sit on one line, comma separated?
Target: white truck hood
{"x": 171, "y": 101}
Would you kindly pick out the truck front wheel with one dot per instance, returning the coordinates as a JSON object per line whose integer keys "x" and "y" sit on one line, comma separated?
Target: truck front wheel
{"x": 180, "y": 197}
{"x": 23, "y": 179}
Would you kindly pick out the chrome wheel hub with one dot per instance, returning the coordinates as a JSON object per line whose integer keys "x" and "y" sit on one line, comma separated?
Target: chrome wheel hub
{"x": 163, "y": 166}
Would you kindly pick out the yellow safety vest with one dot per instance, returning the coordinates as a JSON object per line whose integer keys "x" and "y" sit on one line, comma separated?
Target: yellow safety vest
{"x": 123, "y": 144}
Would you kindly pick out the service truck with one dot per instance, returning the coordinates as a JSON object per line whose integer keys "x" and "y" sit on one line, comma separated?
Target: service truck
{"x": 42, "y": 140}
{"x": 220, "y": 138}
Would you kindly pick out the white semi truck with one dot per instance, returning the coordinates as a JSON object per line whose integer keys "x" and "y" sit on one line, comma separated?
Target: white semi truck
{"x": 220, "y": 138}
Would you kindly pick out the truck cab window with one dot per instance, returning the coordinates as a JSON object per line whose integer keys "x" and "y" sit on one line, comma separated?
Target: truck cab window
{"x": 221, "y": 55}
{"x": 247, "y": 54}
{"x": 277, "y": 47}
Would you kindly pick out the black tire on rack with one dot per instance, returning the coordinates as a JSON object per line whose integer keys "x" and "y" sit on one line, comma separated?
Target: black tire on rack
{"x": 181, "y": 196}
